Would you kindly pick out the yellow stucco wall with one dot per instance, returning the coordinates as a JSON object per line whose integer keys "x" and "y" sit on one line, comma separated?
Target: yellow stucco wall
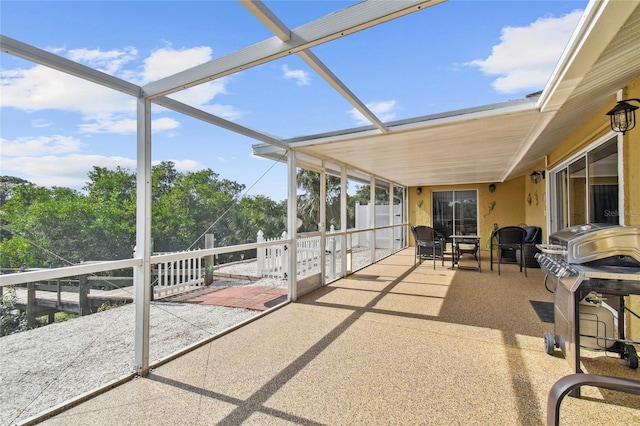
{"x": 631, "y": 165}
{"x": 508, "y": 201}
{"x": 535, "y": 197}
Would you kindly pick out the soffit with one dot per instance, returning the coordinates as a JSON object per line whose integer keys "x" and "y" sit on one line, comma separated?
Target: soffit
{"x": 445, "y": 150}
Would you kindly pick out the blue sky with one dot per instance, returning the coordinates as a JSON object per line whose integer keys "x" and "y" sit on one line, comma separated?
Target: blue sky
{"x": 55, "y": 128}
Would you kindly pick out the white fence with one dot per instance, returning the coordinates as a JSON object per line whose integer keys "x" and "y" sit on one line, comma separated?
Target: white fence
{"x": 273, "y": 260}
{"x": 177, "y": 275}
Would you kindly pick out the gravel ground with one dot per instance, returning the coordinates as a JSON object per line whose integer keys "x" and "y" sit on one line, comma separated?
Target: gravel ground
{"x": 46, "y": 366}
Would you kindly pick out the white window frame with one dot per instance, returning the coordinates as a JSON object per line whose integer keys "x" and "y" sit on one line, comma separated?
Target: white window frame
{"x": 551, "y": 205}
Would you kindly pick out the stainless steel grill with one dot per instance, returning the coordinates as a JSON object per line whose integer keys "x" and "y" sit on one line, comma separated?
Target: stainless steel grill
{"x": 586, "y": 265}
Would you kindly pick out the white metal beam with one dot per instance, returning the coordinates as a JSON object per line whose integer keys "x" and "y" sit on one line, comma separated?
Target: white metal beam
{"x": 68, "y": 271}
{"x": 339, "y": 24}
{"x": 312, "y": 60}
{"x": 218, "y": 121}
{"x": 42, "y": 57}
{"x": 283, "y": 33}
{"x": 268, "y": 18}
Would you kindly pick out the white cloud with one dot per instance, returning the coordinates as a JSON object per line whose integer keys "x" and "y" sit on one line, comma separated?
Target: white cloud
{"x": 123, "y": 125}
{"x": 40, "y": 145}
{"x": 526, "y": 56}
{"x": 42, "y": 88}
{"x": 384, "y": 110}
{"x": 72, "y": 170}
{"x": 40, "y": 123}
{"x": 300, "y": 76}
{"x": 168, "y": 61}
{"x": 110, "y": 62}
{"x": 105, "y": 110}
{"x": 66, "y": 170}
{"x": 186, "y": 165}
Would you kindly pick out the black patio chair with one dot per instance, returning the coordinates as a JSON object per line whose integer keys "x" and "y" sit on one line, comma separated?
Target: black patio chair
{"x": 429, "y": 245}
{"x": 511, "y": 238}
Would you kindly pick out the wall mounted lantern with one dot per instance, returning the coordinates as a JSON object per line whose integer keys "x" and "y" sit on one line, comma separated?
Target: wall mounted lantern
{"x": 419, "y": 190}
{"x": 492, "y": 187}
{"x": 623, "y": 116}
{"x": 537, "y": 176}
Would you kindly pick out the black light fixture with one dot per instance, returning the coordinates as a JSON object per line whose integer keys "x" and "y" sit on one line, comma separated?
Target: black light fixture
{"x": 623, "y": 115}
{"x": 537, "y": 176}
{"x": 419, "y": 190}
{"x": 492, "y": 187}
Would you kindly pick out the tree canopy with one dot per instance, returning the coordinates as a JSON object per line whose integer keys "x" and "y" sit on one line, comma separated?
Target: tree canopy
{"x": 44, "y": 227}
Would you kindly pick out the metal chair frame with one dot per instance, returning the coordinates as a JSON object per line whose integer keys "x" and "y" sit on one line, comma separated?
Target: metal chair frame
{"x": 429, "y": 245}
{"x": 510, "y": 238}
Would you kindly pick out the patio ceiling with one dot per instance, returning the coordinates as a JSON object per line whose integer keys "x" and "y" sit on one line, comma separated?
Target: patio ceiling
{"x": 502, "y": 141}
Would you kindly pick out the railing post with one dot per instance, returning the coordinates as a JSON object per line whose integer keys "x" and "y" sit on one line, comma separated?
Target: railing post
{"x": 83, "y": 296}
{"x": 332, "y": 255}
{"x": 209, "y": 261}
{"x": 260, "y": 253}
{"x": 58, "y": 293}
{"x": 31, "y": 304}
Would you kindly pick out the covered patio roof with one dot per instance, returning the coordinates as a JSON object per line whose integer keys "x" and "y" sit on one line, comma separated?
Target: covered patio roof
{"x": 496, "y": 142}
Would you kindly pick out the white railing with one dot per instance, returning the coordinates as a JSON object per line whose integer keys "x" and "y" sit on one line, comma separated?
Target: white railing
{"x": 273, "y": 260}
{"x": 309, "y": 255}
{"x": 174, "y": 276}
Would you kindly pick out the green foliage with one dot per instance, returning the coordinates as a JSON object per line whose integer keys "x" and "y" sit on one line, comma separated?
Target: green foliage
{"x": 64, "y": 316}
{"x": 309, "y": 200}
{"x": 45, "y": 227}
{"x": 11, "y": 319}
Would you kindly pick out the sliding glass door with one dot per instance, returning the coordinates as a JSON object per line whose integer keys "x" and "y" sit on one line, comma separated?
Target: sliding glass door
{"x": 455, "y": 212}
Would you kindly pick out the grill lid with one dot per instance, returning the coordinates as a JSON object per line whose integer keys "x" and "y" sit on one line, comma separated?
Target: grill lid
{"x": 592, "y": 243}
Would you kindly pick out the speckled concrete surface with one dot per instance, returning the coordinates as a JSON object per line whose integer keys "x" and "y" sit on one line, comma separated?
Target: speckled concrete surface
{"x": 389, "y": 345}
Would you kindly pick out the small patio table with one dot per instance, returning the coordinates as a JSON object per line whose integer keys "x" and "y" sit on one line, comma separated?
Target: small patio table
{"x": 469, "y": 240}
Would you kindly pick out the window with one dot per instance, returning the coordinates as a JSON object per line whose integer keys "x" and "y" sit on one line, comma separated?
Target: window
{"x": 455, "y": 212}
{"x": 585, "y": 190}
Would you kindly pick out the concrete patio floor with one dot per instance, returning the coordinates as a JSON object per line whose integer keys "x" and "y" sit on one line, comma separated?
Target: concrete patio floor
{"x": 390, "y": 344}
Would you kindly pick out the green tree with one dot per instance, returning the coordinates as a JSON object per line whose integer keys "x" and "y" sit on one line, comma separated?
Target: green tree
{"x": 194, "y": 203}
{"x": 53, "y": 227}
{"x": 6, "y": 185}
{"x": 112, "y": 194}
{"x": 19, "y": 246}
{"x": 309, "y": 200}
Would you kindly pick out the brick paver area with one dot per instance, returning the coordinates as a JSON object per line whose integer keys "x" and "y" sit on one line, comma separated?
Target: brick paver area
{"x": 258, "y": 298}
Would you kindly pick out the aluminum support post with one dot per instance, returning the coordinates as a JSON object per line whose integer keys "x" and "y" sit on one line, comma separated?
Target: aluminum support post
{"x": 142, "y": 272}
{"x": 292, "y": 222}
{"x": 372, "y": 218}
{"x": 343, "y": 219}
{"x": 322, "y": 226}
